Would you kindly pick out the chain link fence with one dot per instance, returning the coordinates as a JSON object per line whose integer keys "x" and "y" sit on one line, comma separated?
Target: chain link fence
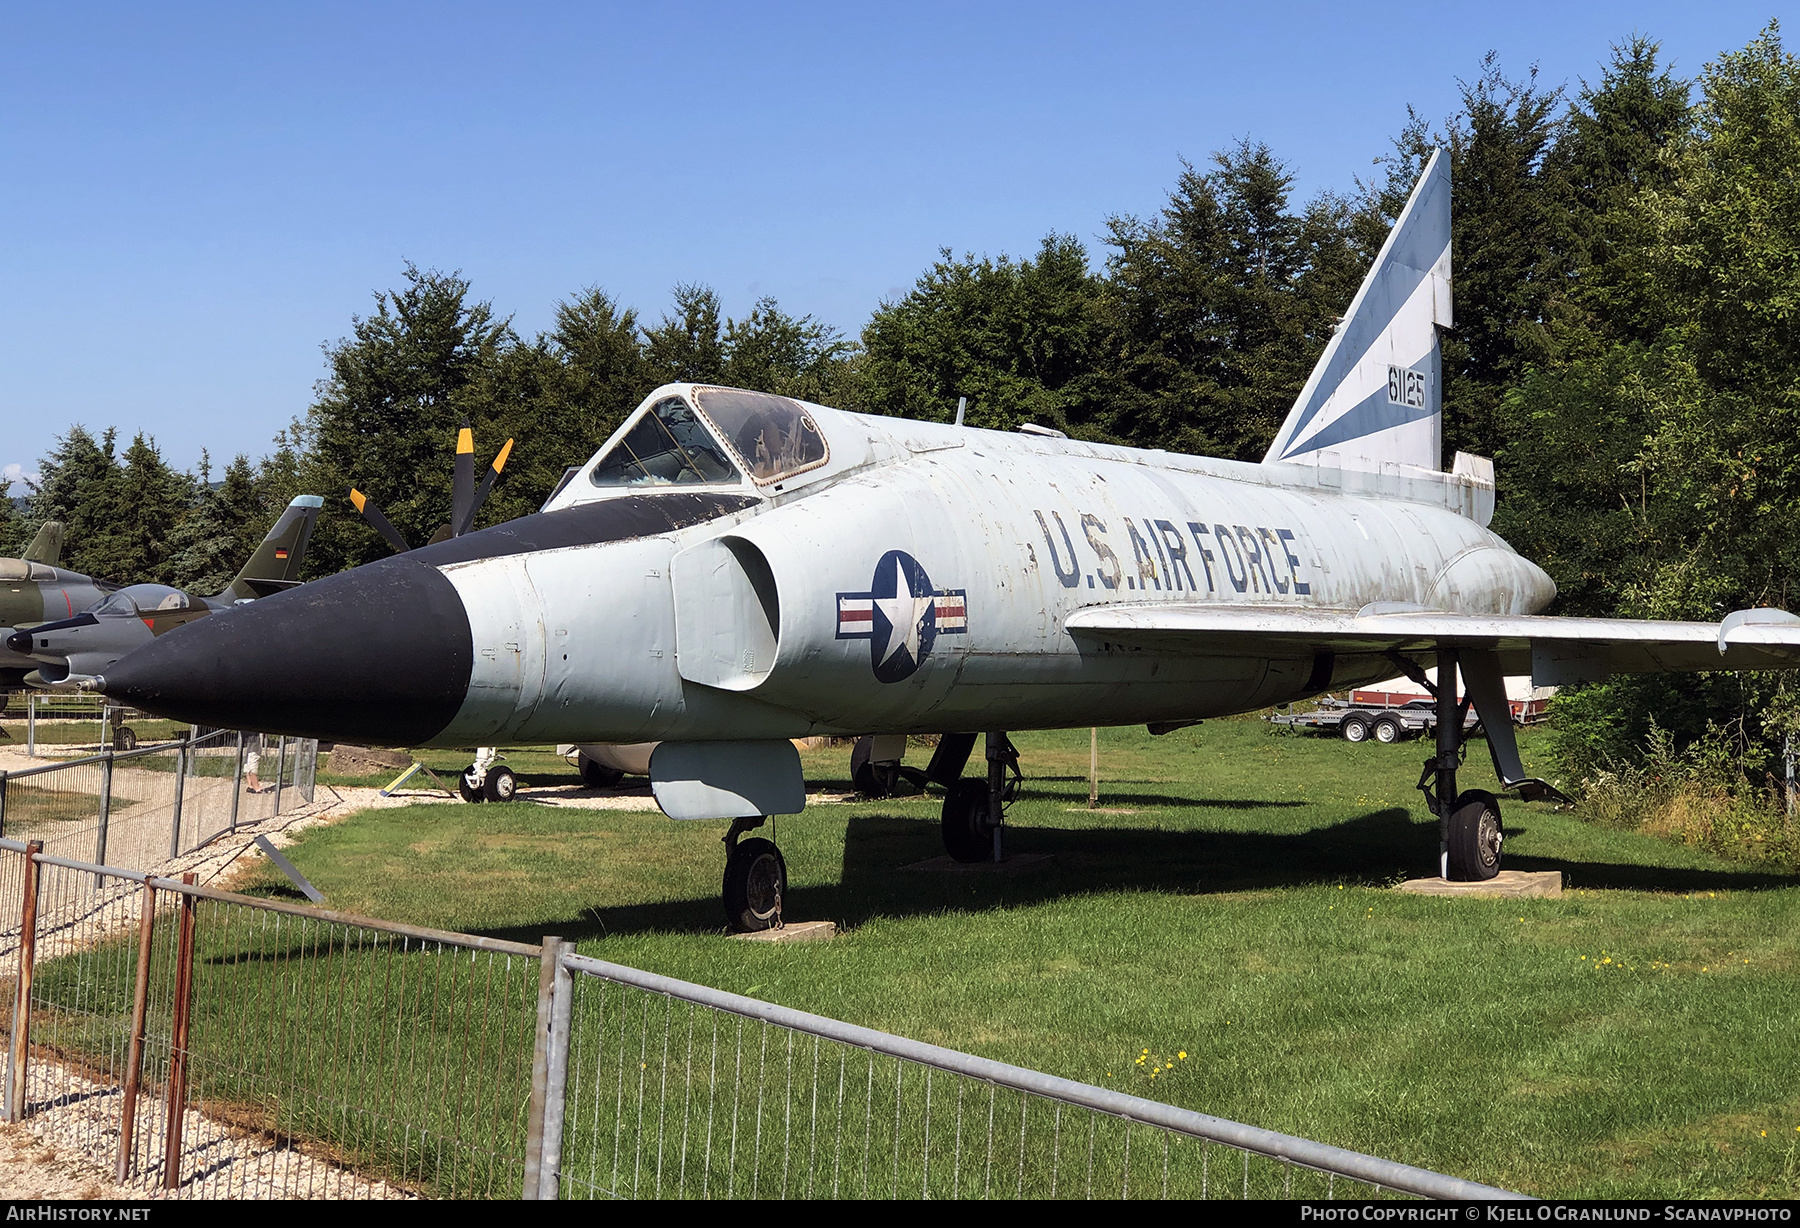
{"x": 138, "y": 808}
{"x": 208, "y": 1045}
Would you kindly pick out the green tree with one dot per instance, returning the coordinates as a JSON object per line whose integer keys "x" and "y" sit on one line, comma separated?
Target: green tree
{"x": 221, "y": 529}
{"x": 1216, "y": 310}
{"x": 1693, "y": 314}
{"x": 772, "y": 351}
{"x": 387, "y": 413}
{"x": 690, "y": 344}
{"x": 78, "y": 485}
{"x": 1017, "y": 338}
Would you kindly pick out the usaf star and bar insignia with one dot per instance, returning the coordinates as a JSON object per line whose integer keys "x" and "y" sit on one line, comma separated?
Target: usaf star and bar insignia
{"x": 901, "y": 616}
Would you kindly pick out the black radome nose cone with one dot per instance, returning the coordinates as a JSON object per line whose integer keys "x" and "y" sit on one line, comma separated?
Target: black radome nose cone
{"x": 380, "y": 655}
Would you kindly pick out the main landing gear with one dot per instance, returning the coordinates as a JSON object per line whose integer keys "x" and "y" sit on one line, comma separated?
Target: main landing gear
{"x": 755, "y": 879}
{"x": 1470, "y": 830}
{"x": 974, "y": 809}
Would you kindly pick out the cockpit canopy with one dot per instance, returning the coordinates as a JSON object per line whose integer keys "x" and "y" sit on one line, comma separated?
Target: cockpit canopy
{"x": 724, "y": 434}
{"x": 144, "y": 600}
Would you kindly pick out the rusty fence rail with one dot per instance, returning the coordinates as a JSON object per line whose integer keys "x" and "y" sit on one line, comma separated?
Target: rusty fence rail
{"x": 203, "y": 1044}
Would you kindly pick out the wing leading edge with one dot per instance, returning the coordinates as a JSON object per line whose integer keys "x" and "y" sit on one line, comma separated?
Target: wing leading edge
{"x": 1553, "y": 650}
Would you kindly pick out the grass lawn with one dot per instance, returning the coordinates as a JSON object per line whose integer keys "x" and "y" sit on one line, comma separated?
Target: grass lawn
{"x": 1634, "y": 1038}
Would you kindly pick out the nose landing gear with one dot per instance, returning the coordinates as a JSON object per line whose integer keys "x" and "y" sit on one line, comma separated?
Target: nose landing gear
{"x": 755, "y": 880}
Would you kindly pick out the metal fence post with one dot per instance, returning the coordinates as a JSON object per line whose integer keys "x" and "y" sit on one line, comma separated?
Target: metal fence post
{"x": 105, "y": 726}
{"x": 106, "y": 775}
{"x": 2, "y": 805}
{"x": 556, "y": 1080}
{"x": 550, "y": 971}
{"x": 178, "y": 1039}
{"x": 134, "y": 1061}
{"x": 280, "y": 771}
{"x": 31, "y": 725}
{"x": 181, "y": 762}
{"x": 21, "y": 1020}
{"x": 237, "y": 781}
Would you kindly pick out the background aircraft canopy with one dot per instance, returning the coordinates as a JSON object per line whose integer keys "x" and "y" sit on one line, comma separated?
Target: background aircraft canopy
{"x": 140, "y": 599}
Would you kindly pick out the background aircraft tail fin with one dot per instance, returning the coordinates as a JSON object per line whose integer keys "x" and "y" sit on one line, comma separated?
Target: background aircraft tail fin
{"x": 47, "y": 546}
{"x": 1375, "y": 399}
{"x": 276, "y": 563}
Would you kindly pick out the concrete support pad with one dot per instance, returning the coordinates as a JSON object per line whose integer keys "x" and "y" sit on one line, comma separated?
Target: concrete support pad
{"x": 1507, "y": 883}
{"x": 1018, "y": 863}
{"x": 793, "y": 931}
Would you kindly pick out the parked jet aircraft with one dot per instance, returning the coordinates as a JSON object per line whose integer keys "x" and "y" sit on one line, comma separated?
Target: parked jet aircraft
{"x": 33, "y": 590}
{"x": 72, "y": 650}
{"x": 735, "y": 569}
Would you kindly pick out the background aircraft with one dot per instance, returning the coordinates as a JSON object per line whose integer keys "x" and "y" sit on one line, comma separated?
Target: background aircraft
{"x": 69, "y": 651}
{"x": 34, "y": 590}
{"x": 735, "y": 569}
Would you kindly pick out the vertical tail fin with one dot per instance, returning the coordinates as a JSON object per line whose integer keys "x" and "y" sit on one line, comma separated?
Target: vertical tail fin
{"x": 276, "y": 563}
{"x": 1376, "y": 396}
{"x": 47, "y": 546}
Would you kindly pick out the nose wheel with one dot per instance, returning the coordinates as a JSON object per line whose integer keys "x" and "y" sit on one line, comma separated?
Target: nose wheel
{"x": 755, "y": 880}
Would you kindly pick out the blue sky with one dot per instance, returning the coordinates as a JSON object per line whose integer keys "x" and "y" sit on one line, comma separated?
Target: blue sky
{"x": 197, "y": 197}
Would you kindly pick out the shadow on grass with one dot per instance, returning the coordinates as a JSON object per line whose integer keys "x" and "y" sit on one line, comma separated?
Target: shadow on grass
{"x": 1375, "y": 849}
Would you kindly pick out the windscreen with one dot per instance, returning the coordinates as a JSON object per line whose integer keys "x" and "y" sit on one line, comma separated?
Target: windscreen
{"x": 145, "y": 599}
{"x": 775, "y": 436}
{"x": 669, "y": 446}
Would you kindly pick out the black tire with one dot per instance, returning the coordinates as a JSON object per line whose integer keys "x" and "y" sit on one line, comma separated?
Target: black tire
{"x": 1386, "y": 730}
{"x": 968, "y": 836}
{"x": 755, "y": 886}
{"x": 1476, "y": 835}
{"x": 598, "y": 775}
{"x": 863, "y": 776}
{"x": 500, "y": 785}
{"x": 124, "y": 738}
{"x": 1354, "y": 729}
{"x": 468, "y": 791}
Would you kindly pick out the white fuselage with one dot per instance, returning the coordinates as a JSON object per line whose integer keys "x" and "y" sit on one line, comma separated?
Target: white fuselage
{"x": 776, "y": 621}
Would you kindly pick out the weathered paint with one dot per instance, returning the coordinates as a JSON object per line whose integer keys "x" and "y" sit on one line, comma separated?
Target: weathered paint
{"x": 586, "y": 643}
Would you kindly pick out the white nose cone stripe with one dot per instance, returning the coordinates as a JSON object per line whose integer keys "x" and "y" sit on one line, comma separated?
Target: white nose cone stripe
{"x": 1375, "y": 397}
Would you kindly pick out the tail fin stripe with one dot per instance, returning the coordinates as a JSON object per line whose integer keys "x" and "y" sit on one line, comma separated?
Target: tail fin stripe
{"x": 1391, "y": 324}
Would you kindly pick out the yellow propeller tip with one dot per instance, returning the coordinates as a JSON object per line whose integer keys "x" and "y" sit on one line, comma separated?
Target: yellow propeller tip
{"x": 465, "y": 440}
{"x": 358, "y": 498}
{"x": 500, "y": 460}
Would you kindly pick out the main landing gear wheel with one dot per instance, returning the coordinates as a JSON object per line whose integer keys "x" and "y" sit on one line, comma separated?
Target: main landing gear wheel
{"x": 598, "y": 775}
{"x": 500, "y": 785}
{"x": 968, "y": 833}
{"x": 755, "y": 885}
{"x": 124, "y": 738}
{"x": 466, "y": 787}
{"x": 865, "y": 777}
{"x": 1476, "y": 834}
{"x": 1354, "y": 730}
{"x": 1386, "y": 730}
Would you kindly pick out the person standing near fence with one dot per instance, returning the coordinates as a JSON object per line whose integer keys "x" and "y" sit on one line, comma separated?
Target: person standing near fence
{"x": 252, "y": 762}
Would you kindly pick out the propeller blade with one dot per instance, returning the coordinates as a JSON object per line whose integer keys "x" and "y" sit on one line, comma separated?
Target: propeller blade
{"x": 462, "y": 496}
{"x": 373, "y": 515}
{"x": 487, "y": 485}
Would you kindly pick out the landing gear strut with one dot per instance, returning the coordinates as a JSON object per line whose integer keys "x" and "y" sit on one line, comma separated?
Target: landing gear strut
{"x": 1469, "y": 828}
{"x": 974, "y": 809}
{"x": 755, "y": 880}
